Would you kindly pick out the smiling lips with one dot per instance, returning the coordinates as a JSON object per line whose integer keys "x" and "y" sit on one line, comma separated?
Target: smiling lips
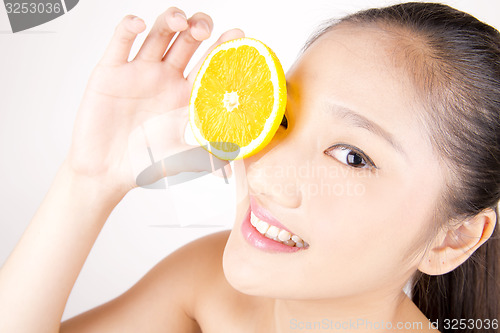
{"x": 280, "y": 235}
{"x": 263, "y": 231}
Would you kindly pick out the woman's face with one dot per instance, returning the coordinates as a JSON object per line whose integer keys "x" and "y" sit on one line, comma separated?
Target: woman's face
{"x": 353, "y": 175}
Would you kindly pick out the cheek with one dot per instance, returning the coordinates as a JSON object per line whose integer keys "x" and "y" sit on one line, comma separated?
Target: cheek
{"x": 363, "y": 239}
{"x": 240, "y": 178}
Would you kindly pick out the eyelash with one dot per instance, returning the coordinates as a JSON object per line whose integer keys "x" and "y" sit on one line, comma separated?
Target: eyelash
{"x": 345, "y": 147}
{"x": 284, "y": 122}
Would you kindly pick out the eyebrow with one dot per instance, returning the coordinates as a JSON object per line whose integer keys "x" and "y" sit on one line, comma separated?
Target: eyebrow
{"x": 357, "y": 120}
{"x": 361, "y": 121}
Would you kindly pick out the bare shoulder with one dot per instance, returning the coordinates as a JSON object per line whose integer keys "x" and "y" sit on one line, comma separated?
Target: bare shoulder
{"x": 166, "y": 298}
{"x": 191, "y": 269}
{"x": 194, "y": 271}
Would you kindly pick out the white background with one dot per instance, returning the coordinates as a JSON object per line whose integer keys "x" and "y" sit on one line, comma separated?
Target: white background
{"x": 43, "y": 73}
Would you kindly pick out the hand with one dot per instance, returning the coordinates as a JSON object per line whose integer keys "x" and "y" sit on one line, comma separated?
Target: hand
{"x": 124, "y": 98}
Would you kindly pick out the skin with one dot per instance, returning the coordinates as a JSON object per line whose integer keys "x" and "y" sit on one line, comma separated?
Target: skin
{"x": 361, "y": 275}
{"x": 364, "y": 246}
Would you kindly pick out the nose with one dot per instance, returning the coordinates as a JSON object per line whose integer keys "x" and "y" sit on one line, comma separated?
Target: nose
{"x": 271, "y": 173}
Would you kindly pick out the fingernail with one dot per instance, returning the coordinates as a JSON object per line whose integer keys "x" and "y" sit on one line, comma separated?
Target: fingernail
{"x": 138, "y": 22}
{"x": 180, "y": 15}
{"x": 204, "y": 26}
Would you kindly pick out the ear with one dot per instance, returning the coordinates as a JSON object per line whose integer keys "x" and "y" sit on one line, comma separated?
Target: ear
{"x": 454, "y": 245}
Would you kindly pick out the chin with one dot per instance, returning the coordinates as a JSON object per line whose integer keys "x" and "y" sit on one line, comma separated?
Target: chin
{"x": 251, "y": 270}
{"x": 244, "y": 270}
{"x": 248, "y": 271}
{"x": 237, "y": 265}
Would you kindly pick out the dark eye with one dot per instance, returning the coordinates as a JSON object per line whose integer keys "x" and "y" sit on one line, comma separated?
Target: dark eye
{"x": 284, "y": 122}
{"x": 350, "y": 156}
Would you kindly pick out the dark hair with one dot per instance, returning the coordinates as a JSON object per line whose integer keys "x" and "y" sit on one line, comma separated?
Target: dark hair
{"x": 453, "y": 59}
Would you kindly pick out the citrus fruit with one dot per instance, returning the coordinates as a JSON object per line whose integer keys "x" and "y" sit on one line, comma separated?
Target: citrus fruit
{"x": 238, "y": 99}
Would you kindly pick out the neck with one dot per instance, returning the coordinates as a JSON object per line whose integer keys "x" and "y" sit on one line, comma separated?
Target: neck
{"x": 362, "y": 313}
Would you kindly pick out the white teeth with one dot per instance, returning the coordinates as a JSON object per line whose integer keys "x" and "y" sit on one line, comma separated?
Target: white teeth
{"x": 275, "y": 233}
{"x": 284, "y": 235}
{"x": 297, "y": 239}
{"x": 262, "y": 227}
{"x": 254, "y": 220}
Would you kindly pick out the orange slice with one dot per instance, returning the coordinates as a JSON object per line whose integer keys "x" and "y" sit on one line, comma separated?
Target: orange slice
{"x": 238, "y": 99}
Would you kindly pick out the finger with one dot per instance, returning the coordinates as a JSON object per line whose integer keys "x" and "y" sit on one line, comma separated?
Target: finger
{"x": 166, "y": 26}
{"x": 184, "y": 46}
{"x": 118, "y": 50}
{"x": 228, "y": 35}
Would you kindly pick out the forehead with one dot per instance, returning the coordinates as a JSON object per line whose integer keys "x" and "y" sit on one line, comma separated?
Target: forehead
{"x": 361, "y": 68}
{"x": 349, "y": 52}
{"x": 356, "y": 67}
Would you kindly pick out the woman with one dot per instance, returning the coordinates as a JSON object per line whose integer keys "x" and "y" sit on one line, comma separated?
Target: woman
{"x": 386, "y": 169}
